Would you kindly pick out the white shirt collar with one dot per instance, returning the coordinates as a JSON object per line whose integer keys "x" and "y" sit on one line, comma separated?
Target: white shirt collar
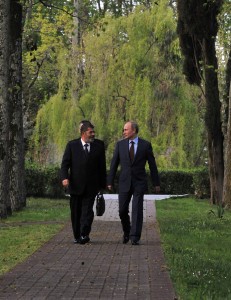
{"x": 83, "y": 143}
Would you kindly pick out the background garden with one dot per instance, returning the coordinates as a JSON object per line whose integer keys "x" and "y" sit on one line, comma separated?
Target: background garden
{"x": 165, "y": 64}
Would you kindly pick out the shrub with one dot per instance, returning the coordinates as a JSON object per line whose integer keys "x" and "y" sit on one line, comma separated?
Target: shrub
{"x": 176, "y": 182}
{"x": 45, "y": 182}
{"x": 201, "y": 183}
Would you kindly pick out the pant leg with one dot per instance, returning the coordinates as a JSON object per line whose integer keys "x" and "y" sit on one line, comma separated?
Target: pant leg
{"x": 75, "y": 207}
{"x": 87, "y": 215}
{"x": 124, "y": 200}
{"x": 137, "y": 215}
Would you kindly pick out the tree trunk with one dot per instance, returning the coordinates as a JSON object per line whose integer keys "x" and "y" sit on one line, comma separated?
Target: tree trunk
{"x": 226, "y": 98}
{"x": 17, "y": 170}
{"x": 227, "y": 175}
{"x": 4, "y": 108}
{"x": 78, "y": 49}
{"x": 213, "y": 122}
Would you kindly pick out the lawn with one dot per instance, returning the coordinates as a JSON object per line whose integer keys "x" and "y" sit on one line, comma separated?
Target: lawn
{"x": 197, "y": 247}
{"x": 195, "y": 240}
{"x": 25, "y": 231}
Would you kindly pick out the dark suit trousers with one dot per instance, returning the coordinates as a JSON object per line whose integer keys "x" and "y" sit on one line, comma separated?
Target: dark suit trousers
{"x": 82, "y": 214}
{"x": 133, "y": 228}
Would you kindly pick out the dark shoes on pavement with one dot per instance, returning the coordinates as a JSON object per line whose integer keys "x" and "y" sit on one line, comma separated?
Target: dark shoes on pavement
{"x": 77, "y": 241}
{"x": 125, "y": 239}
{"x": 85, "y": 239}
{"x": 135, "y": 243}
{"x": 82, "y": 240}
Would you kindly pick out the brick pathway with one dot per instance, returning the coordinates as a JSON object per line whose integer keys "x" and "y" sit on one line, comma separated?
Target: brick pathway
{"x": 102, "y": 269}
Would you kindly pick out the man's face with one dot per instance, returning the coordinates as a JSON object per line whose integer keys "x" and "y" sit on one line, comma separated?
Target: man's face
{"x": 128, "y": 132}
{"x": 89, "y": 135}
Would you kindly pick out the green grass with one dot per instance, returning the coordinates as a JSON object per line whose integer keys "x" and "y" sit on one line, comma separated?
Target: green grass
{"x": 197, "y": 248}
{"x": 25, "y": 231}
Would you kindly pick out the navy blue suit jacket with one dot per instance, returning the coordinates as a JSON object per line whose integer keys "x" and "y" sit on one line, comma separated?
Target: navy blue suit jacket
{"x": 133, "y": 172}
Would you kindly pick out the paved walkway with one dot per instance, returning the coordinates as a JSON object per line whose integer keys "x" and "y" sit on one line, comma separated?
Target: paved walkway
{"x": 103, "y": 269}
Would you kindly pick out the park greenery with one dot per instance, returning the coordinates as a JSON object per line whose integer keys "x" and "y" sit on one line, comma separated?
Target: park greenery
{"x": 165, "y": 64}
{"x": 132, "y": 70}
{"x": 196, "y": 242}
{"x": 27, "y": 230}
{"x": 194, "y": 235}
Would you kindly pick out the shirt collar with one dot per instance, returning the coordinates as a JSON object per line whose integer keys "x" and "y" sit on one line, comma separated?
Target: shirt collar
{"x": 135, "y": 140}
{"x": 83, "y": 143}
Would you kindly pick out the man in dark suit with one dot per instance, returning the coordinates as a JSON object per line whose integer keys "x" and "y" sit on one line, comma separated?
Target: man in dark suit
{"x": 83, "y": 172}
{"x": 132, "y": 153}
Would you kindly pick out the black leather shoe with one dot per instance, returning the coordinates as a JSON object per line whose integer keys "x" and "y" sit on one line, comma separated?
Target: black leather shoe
{"x": 135, "y": 243}
{"x": 84, "y": 239}
{"x": 125, "y": 239}
{"x": 77, "y": 241}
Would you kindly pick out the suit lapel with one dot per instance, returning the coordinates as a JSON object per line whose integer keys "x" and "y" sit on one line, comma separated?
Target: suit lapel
{"x": 92, "y": 148}
{"x": 126, "y": 149}
{"x": 137, "y": 150}
{"x": 81, "y": 150}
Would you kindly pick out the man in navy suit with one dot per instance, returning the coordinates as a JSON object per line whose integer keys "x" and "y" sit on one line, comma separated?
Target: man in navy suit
{"x": 132, "y": 153}
{"x": 83, "y": 172}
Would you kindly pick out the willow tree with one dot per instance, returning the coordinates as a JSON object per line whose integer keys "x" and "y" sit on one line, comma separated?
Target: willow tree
{"x": 131, "y": 71}
{"x": 133, "y": 66}
{"x": 197, "y": 28}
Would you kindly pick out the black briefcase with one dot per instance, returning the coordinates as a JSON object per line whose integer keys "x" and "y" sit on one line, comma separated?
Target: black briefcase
{"x": 100, "y": 205}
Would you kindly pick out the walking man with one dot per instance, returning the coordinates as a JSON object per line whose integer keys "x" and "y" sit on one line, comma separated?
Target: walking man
{"x": 83, "y": 172}
{"x": 132, "y": 153}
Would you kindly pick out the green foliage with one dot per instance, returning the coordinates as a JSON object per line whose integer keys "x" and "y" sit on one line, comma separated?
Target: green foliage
{"x": 176, "y": 182}
{"x": 132, "y": 70}
{"x": 43, "y": 182}
{"x": 201, "y": 183}
{"x": 220, "y": 211}
{"x": 46, "y": 34}
{"x": 196, "y": 248}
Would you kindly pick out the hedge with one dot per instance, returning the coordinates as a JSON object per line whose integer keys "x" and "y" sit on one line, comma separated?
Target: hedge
{"x": 45, "y": 182}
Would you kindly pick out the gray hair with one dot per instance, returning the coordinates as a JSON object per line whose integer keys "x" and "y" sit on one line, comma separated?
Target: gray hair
{"x": 84, "y": 125}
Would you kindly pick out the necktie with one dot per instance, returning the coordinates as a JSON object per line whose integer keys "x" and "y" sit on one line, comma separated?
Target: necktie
{"x": 86, "y": 149}
{"x": 131, "y": 151}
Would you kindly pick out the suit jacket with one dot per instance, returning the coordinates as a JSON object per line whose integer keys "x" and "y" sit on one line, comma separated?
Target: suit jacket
{"x": 133, "y": 172}
{"x": 84, "y": 172}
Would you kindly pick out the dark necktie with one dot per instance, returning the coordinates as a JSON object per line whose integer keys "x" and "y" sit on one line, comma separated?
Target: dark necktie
{"x": 86, "y": 149}
{"x": 131, "y": 151}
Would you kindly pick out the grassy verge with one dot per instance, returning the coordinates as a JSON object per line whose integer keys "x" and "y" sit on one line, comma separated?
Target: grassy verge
{"x": 24, "y": 232}
{"x": 197, "y": 247}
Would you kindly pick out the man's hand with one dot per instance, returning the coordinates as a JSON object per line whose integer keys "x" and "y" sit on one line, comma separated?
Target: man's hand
{"x": 109, "y": 187}
{"x": 156, "y": 189}
{"x": 65, "y": 183}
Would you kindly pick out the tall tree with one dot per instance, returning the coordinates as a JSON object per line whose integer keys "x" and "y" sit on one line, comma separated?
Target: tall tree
{"x": 197, "y": 28}
{"x": 16, "y": 139}
{"x": 4, "y": 107}
{"x": 227, "y": 177}
{"x": 12, "y": 189}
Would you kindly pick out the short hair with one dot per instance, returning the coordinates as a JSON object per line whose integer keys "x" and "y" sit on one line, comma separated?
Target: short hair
{"x": 84, "y": 125}
{"x": 134, "y": 126}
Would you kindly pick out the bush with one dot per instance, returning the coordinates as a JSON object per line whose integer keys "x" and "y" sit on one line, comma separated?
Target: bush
{"x": 45, "y": 182}
{"x": 201, "y": 183}
{"x": 176, "y": 182}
